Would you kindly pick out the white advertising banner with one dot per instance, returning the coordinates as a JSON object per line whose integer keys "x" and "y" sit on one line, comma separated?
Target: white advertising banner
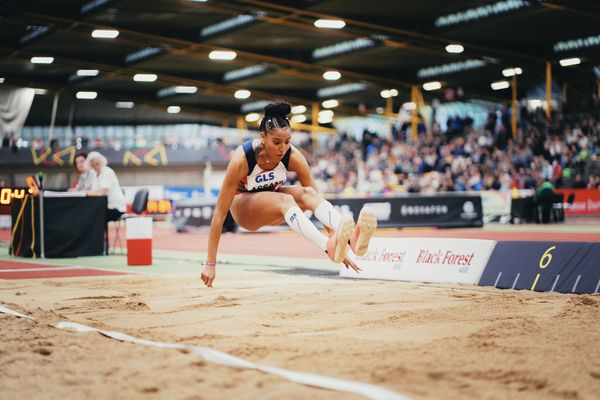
{"x": 495, "y": 202}
{"x": 424, "y": 260}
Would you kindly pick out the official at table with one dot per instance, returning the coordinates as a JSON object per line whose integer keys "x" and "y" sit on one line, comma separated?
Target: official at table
{"x": 106, "y": 184}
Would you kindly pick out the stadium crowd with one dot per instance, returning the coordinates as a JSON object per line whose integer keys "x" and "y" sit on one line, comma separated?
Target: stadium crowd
{"x": 463, "y": 157}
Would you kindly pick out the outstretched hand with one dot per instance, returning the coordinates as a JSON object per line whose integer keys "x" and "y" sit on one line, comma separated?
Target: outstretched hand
{"x": 208, "y": 275}
{"x": 348, "y": 263}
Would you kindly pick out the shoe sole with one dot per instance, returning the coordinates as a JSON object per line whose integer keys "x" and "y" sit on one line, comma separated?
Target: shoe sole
{"x": 343, "y": 235}
{"x": 367, "y": 223}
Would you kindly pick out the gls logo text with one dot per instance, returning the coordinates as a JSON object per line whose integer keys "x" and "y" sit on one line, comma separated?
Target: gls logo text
{"x": 265, "y": 177}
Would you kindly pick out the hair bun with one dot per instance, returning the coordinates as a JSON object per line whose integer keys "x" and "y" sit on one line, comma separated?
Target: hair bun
{"x": 277, "y": 109}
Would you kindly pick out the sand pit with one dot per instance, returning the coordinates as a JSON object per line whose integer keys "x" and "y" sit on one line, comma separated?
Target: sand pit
{"x": 422, "y": 341}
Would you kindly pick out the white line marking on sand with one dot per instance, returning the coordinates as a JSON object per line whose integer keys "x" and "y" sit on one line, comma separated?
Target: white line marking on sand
{"x": 364, "y": 389}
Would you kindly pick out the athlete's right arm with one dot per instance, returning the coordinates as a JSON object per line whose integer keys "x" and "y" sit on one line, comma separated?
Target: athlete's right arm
{"x": 236, "y": 171}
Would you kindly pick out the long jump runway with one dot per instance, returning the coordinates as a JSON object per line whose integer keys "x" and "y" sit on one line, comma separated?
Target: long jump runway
{"x": 278, "y": 302}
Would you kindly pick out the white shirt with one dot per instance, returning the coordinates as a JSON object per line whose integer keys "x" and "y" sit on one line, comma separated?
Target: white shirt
{"x": 108, "y": 180}
{"x": 259, "y": 179}
{"x": 86, "y": 180}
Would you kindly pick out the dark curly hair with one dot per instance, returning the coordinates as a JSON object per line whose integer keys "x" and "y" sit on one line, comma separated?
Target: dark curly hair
{"x": 276, "y": 116}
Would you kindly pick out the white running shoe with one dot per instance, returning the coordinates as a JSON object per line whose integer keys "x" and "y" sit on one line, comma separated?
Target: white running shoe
{"x": 363, "y": 231}
{"x": 336, "y": 247}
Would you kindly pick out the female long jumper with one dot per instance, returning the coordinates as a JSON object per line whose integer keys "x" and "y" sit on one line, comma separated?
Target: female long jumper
{"x": 252, "y": 190}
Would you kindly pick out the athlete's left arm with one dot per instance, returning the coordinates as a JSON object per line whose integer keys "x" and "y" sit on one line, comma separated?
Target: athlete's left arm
{"x": 299, "y": 165}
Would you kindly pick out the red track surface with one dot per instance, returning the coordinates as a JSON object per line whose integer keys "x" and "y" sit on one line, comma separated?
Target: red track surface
{"x": 9, "y": 264}
{"x": 63, "y": 273}
{"x": 15, "y": 270}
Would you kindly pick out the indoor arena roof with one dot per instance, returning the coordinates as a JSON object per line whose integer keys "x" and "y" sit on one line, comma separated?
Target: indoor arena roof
{"x": 281, "y": 54}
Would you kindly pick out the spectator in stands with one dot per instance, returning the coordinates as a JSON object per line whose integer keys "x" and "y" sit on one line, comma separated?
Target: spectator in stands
{"x": 545, "y": 197}
{"x": 579, "y": 183}
{"x": 106, "y": 184}
{"x": 37, "y": 144}
{"x": 98, "y": 143}
{"x": 54, "y": 145}
{"x": 86, "y": 179}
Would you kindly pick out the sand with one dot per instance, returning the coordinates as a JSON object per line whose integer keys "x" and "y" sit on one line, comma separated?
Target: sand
{"x": 420, "y": 340}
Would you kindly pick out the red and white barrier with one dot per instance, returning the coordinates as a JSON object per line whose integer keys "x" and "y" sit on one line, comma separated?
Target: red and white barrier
{"x": 423, "y": 260}
{"x": 139, "y": 240}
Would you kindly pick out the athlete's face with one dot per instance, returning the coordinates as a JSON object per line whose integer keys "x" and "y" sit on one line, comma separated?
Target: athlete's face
{"x": 277, "y": 142}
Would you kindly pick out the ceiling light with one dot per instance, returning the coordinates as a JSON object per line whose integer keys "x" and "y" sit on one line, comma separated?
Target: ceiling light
{"x": 330, "y": 23}
{"x": 299, "y": 118}
{"x": 330, "y": 103}
{"x": 124, "y": 104}
{"x": 84, "y": 95}
{"x": 186, "y": 89}
{"x": 1, "y": 80}
{"x": 105, "y": 33}
{"x": 246, "y": 72}
{"x": 254, "y": 106}
{"x": 87, "y": 72}
{"x": 325, "y": 116}
{"x": 388, "y": 93}
{"x": 338, "y": 90}
{"x": 145, "y": 77}
{"x": 40, "y": 91}
{"x": 35, "y": 33}
{"x": 435, "y": 85}
{"x": 93, "y": 5}
{"x": 409, "y": 106}
{"x": 242, "y": 94}
{"x": 455, "y": 48}
{"x": 171, "y": 90}
{"x": 567, "y": 62}
{"x": 42, "y": 60}
{"x": 252, "y": 117}
{"x": 450, "y": 68}
{"x": 143, "y": 54}
{"x": 500, "y": 85}
{"x": 227, "y": 25}
{"x": 173, "y": 109}
{"x": 222, "y": 55}
{"x": 577, "y": 43}
{"x": 512, "y": 71}
{"x": 298, "y": 109}
{"x": 332, "y": 75}
{"x": 344, "y": 47}
{"x": 484, "y": 11}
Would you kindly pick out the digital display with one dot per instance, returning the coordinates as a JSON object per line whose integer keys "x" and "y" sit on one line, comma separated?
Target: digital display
{"x": 7, "y": 194}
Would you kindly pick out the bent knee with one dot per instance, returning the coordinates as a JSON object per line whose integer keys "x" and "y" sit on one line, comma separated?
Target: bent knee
{"x": 308, "y": 191}
{"x": 286, "y": 201}
{"x": 308, "y": 198}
